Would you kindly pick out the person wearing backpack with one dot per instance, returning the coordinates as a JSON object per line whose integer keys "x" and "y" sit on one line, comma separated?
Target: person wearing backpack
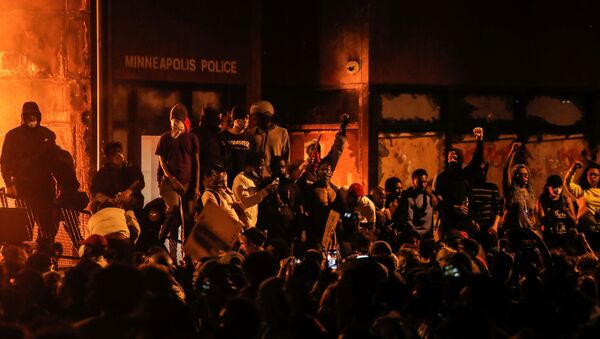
{"x": 217, "y": 192}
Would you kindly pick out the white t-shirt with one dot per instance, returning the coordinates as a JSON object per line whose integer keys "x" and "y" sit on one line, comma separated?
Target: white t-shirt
{"x": 249, "y": 196}
{"x": 107, "y": 221}
{"x": 224, "y": 200}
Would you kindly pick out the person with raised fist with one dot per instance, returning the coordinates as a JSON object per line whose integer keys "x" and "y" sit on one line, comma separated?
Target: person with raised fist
{"x": 587, "y": 193}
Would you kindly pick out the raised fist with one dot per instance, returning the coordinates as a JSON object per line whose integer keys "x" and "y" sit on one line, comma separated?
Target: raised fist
{"x": 478, "y": 133}
{"x": 515, "y": 146}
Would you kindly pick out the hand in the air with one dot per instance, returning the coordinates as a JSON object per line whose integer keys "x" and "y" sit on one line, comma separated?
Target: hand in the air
{"x": 478, "y": 133}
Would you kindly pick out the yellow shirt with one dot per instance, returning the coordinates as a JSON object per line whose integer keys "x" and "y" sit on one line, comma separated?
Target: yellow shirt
{"x": 588, "y": 199}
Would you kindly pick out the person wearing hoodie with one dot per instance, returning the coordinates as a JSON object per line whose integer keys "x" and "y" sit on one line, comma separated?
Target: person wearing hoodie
{"x": 270, "y": 138}
{"x": 26, "y": 168}
{"x": 453, "y": 188}
{"x": 213, "y": 150}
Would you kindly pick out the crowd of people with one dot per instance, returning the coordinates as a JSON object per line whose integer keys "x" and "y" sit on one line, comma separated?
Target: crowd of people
{"x": 450, "y": 256}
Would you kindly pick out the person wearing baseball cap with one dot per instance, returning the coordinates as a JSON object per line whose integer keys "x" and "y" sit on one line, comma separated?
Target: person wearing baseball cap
{"x": 270, "y": 138}
{"x": 179, "y": 154}
{"x": 359, "y": 203}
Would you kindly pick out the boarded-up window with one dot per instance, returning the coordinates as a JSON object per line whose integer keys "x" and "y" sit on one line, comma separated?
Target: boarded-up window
{"x": 402, "y": 153}
{"x": 489, "y": 108}
{"x": 553, "y": 154}
{"x": 555, "y": 110}
{"x": 422, "y": 107}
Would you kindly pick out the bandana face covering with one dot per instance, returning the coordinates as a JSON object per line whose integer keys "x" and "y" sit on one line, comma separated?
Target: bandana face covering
{"x": 241, "y": 124}
{"x": 30, "y": 120}
{"x": 177, "y": 128}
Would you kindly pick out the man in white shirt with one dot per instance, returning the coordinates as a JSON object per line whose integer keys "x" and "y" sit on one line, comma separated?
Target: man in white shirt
{"x": 114, "y": 223}
{"x": 120, "y": 228}
{"x": 245, "y": 187}
{"x": 359, "y": 203}
{"x": 217, "y": 192}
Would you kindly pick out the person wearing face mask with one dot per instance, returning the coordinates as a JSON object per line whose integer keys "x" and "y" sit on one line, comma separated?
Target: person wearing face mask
{"x": 556, "y": 212}
{"x": 587, "y": 193}
{"x": 239, "y": 142}
{"x": 270, "y": 139}
{"x": 179, "y": 170}
{"x": 26, "y": 168}
{"x": 246, "y": 187}
{"x": 453, "y": 187}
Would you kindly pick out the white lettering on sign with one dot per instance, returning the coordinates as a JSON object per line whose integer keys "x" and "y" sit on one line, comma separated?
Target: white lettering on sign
{"x": 218, "y": 66}
{"x": 181, "y": 64}
{"x": 160, "y": 63}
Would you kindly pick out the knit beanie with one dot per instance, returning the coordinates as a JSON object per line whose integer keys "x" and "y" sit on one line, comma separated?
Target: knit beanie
{"x": 178, "y": 112}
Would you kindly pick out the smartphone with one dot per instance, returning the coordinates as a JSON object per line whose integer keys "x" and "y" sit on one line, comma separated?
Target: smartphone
{"x": 206, "y": 286}
{"x": 332, "y": 259}
{"x": 451, "y": 271}
{"x": 350, "y": 216}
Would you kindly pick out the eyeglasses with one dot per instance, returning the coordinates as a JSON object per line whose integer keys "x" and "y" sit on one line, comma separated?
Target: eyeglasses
{"x": 594, "y": 174}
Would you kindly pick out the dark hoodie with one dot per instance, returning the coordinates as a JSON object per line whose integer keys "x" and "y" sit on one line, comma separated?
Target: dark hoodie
{"x": 25, "y": 160}
{"x": 213, "y": 151}
{"x": 454, "y": 184}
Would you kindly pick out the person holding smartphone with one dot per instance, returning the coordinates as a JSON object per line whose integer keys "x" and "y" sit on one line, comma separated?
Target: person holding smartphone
{"x": 245, "y": 187}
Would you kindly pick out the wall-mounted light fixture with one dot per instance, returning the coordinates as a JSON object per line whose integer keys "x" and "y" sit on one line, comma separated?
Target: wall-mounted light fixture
{"x": 352, "y": 67}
